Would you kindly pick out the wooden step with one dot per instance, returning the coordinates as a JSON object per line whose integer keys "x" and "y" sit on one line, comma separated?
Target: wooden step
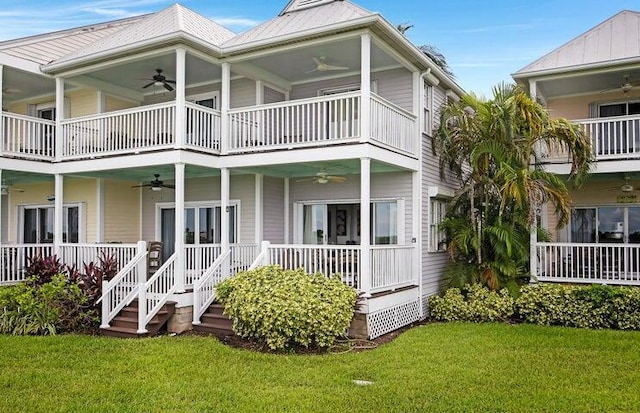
{"x": 125, "y": 324}
{"x": 213, "y": 321}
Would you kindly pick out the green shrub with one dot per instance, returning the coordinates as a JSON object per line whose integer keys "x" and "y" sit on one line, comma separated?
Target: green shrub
{"x": 595, "y": 306}
{"x": 54, "y": 306}
{"x": 472, "y": 303}
{"x": 287, "y": 308}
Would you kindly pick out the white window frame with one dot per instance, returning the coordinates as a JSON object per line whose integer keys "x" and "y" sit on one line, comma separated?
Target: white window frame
{"x": 214, "y": 94}
{"x": 82, "y": 216}
{"x": 427, "y": 107}
{"x": 197, "y": 204}
{"x": 439, "y": 197}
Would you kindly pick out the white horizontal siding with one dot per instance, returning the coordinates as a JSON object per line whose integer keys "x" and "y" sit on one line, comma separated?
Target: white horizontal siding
{"x": 273, "y": 204}
{"x": 272, "y": 96}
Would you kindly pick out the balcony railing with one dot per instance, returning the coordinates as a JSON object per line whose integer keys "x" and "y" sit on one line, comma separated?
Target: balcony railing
{"x": 588, "y": 263}
{"x": 318, "y": 121}
{"x": 612, "y": 138}
{"x": 27, "y": 137}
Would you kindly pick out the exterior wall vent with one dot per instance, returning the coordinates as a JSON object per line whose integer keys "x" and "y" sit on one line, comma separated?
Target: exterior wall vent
{"x": 295, "y": 5}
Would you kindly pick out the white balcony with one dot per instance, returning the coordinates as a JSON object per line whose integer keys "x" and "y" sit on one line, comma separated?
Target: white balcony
{"x": 320, "y": 121}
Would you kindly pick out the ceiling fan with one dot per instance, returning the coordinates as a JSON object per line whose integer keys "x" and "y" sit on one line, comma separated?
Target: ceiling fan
{"x": 322, "y": 177}
{"x": 160, "y": 80}
{"x": 10, "y": 90}
{"x": 155, "y": 185}
{"x": 6, "y": 188}
{"x": 625, "y": 187}
{"x": 323, "y": 66}
{"x": 625, "y": 87}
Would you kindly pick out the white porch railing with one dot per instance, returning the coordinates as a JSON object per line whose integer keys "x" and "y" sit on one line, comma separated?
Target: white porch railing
{"x": 588, "y": 263}
{"x": 392, "y": 267}
{"x": 296, "y": 123}
{"x": 197, "y": 258}
{"x": 14, "y": 259}
{"x": 79, "y": 254}
{"x": 325, "y": 259}
{"x": 393, "y": 126}
{"x": 27, "y": 137}
{"x": 203, "y": 128}
{"x": 135, "y": 130}
{"x": 204, "y": 287}
{"x": 242, "y": 256}
{"x": 156, "y": 292}
{"x": 124, "y": 287}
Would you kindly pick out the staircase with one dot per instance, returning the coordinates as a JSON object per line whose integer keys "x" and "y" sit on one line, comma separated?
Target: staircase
{"x": 213, "y": 321}
{"x": 125, "y": 324}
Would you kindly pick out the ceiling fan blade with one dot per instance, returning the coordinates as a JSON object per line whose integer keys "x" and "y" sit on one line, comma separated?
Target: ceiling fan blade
{"x": 141, "y": 186}
{"x": 306, "y": 179}
{"x": 170, "y": 81}
{"x": 336, "y": 179}
{"x": 334, "y": 67}
{"x": 317, "y": 61}
{"x": 166, "y": 86}
{"x": 168, "y": 186}
{"x": 149, "y": 84}
{"x": 312, "y": 70}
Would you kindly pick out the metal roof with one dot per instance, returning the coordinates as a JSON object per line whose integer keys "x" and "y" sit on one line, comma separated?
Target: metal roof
{"x": 170, "y": 21}
{"x": 46, "y": 47}
{"x": 617, "y": 38}
{"x": 295, "y": 19}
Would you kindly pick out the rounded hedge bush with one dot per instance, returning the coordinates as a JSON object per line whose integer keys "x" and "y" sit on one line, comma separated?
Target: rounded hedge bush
{"x": 472, "y": 303}
{"x": 287, "y": 308}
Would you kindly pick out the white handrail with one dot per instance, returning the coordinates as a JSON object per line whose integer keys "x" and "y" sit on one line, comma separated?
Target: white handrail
{"x": 27, "y": 136}
{"x": 156, "y": 292}
{"x": 204, "y": 287}
{"x": 123, "y": 288}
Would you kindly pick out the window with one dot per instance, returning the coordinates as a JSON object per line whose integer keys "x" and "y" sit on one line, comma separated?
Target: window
{"x": 606, "y": 224}
{"x": 427, "y": 108}
{"x": 202, "y": 226}
{"x": 437, "y": 236}
{"x": 384, "y": 223}
{"x": 38, "y": 224}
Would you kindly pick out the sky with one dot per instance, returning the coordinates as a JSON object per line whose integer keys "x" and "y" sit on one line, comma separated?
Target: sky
{"x": 483, "y": 41}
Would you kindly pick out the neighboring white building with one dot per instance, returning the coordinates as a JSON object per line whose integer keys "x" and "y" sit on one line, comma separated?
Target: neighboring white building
{"x": 594, "y": 79}
{"x": 305, "y": 141}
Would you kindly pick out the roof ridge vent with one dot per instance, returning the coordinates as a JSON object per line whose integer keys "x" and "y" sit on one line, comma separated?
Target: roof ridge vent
{"x": 295, "y": 5}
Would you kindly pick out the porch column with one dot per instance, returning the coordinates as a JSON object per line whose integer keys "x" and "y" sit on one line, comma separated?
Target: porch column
{"x": 259, "y": 208}
{"x": 1, "y": 111}
{"x": 224, "y": 209}
{"x": 59, "y": 117}
{"x": 181, "y": 120}
{"x": 180, "y": 229}
{"x": 365, "y": 86}
{"x": 58, "y": 214}
{"x": 286, "y": 211}
{"x": 99, "y": 210}
{"x": 365, "y": 226}
{"x": 225, "y": 95}
{"x": 533, "y": 89}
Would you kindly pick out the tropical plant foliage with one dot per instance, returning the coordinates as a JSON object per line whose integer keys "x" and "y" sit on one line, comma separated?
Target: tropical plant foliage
{"x": 493, "y": 147}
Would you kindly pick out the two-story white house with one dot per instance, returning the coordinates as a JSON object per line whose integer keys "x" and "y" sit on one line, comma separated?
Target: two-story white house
{"x": 594, "y": 80}
{"x": 304, "y": 142}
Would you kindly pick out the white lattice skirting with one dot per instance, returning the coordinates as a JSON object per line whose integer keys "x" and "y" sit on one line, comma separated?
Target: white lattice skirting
{"x": 392, "y": 318}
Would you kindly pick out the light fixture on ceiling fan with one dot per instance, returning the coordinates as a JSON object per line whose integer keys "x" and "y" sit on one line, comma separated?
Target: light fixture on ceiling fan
{"x": 323, "y": 66}
{"x": 155, "y": 185}
{"x": 625, "y": 187}
{"x": 322, "y": 177}
{"x": 160, "y": 80}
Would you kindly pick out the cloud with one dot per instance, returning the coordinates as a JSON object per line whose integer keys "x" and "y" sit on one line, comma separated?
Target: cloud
{"x": 239, "y": 23}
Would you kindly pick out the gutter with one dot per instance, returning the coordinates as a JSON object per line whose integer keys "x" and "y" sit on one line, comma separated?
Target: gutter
{"x": 582, "y": 67}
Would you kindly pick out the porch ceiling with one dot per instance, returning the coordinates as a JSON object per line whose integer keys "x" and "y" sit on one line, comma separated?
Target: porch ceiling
{"x": 603, "y": 81}
{"x": 295, "y": 65}
{"x": 306, "y": 169}
{"x": 136, "y": 74}
{"x": 18, "y": 85}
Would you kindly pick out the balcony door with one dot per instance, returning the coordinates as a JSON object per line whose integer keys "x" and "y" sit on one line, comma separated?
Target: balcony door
{"x": 607, "y": 224}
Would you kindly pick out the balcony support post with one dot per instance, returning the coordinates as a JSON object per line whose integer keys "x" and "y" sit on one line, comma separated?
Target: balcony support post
{"x": 225, "y": 95}
{"x": 180, "y": 227}
{"x": 59, "y": 135}
{"x": 365, "y": 226}
{"x": 58, "y": 214}
{"x": 365, "y": 86}
{"x": 181, "y": 118}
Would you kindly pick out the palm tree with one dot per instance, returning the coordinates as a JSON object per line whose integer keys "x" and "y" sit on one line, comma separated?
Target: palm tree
{"x": 493, "y": 148}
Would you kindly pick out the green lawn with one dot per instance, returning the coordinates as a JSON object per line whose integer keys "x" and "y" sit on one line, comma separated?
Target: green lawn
{"x": 436, "y": 367}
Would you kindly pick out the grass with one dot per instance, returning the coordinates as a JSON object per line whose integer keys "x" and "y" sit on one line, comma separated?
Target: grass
{"x": 435, "y": 367}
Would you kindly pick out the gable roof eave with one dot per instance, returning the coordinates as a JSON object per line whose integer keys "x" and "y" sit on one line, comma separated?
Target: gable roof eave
{"x": 522, "y": 75}
{"x": 168, "y": 40}
{"x": 19, "y": 63}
